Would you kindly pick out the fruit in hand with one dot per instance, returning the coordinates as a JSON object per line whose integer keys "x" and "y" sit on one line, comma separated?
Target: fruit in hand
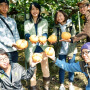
{"x": 52, "y": 39}
{"x": 49, "y": 51}
{"x": 37, "y": 57}
{"x": 22, "y": 44}
{"x": 33, "y": 38}
{"x": 42, "y": 39}
{"x": 66, "y": 35}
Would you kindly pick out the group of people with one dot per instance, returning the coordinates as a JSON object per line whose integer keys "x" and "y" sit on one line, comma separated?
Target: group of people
{"x": 11, "y": 73}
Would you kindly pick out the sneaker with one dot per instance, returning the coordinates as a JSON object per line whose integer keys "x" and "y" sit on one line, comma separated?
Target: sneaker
{"x": 71, "y": 87}
{"x": 62, "y": 87}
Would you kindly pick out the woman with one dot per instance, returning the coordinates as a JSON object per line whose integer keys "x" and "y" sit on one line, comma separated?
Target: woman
{"x": 63, "y": 24}
{"x": 38, "y": 26}
{"x": 81, "y": 66}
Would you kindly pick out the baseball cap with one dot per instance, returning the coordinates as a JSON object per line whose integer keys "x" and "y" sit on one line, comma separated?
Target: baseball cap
{"x": 83, "y": 2}
{"x": 86, "y": 46}
{"x": 6, "y": 1}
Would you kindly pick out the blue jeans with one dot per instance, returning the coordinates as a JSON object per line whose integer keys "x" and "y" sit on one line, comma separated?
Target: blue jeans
{"x": 13, "y": 56}
{"x": 62, "y": 72}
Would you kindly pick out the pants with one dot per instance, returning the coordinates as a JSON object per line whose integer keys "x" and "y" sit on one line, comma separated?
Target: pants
{"x": 44, "y": 68}
{"x": 62, "y": 72}
{"x": 13, "y": 56}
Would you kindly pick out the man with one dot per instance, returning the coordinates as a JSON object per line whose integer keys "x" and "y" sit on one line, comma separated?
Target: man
{"x": 11, "y": 74}
{"x": 80, "y": 66}
{"x": 84, "y": 9}
{"x": 8, "y": 35}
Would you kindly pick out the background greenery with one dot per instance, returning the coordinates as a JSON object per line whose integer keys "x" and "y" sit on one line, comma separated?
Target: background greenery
{"x": 19, "y": 10}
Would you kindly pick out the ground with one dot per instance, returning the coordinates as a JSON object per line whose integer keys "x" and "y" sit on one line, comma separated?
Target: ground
{"x": 80, "y": 80}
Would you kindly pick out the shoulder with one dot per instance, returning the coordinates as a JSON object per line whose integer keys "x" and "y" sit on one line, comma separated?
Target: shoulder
{"x": 27, "y": 21}
{"x": 16, "y": 65}
{"x": 44, "y": 20}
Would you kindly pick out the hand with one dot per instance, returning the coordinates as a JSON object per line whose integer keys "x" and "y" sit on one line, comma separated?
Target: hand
{"x": 14, "y": 45}
{"x": 52, "y": 57}
{"x": 69, "y": 40}
{"x": 35, "y": 63}
{"x": 69, "y": 58}
{"x": 42, "y": 43}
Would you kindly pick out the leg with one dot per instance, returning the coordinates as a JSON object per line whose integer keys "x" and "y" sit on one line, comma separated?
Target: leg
{"x": 33, "y": 79}
{"x": 71, "y": 74}
{"x": 13, "y": 56}
{"x": 45, "y": 71}
{"x": 61, "y": 71}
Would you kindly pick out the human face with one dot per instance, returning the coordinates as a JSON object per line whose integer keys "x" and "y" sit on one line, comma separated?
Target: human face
{"x": 60, "y": 18}
{"x": 86, "y": 55}
{"x": 34, "y": 11}
{"x": 4, "y": 8}
{"x": 4, "y": 61}
{"x": 83, "y": 8}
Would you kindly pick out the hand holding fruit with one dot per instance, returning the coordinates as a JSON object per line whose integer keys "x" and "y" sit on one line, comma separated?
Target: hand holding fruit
{"x": 65, "y": 37}
{"x": 33, "y": 39}
{"x": 21, "y": 44}
{"x": 52, "y": 39}
{"x": 42, "y": 39}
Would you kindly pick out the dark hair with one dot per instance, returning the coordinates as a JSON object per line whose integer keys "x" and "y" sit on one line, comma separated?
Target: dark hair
{"x": 61, "y": 11}
{"x": 6, "y": 1}
{"x": 37, "y": 6}
{"x": 2, "y": 51}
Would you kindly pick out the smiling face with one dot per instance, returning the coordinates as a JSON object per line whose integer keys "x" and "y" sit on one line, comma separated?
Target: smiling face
{"x": 35, "y": 11}
{"x": 83, "y": 8}
{"x": 86, "y": 55}
{"x": 60, "y": 18}
{"x": 4, "y": 8}
{"x": 4, "y": 61}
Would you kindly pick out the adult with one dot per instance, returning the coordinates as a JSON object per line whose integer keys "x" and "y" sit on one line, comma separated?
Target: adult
{"x": 67, "y": 50}
{"x": 38, "y": 26}
{"x": 11, "y": 73}
{"x": 84, "y": 9}
{"x": 8, "y": 33}
{"x": 80, "y": 66}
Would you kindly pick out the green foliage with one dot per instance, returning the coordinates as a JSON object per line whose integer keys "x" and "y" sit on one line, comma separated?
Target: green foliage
{"x": 51, "y": 6}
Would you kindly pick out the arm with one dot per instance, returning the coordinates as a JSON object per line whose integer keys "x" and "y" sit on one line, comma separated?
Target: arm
{"x": 73, "y": 67}
{"x": 15, "y": 32}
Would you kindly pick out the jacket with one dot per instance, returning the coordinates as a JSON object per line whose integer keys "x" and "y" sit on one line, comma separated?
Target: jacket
{"x": 75, "y": 67}
{"x": 86, "y": 30}
{"x": 18, "y": 74}
{"x": 6, "y": 37}
{"x": 71, "y": 29}
{"x": 30, "y": 28}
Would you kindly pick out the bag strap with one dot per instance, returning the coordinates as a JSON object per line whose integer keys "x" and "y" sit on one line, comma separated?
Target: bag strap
{"x": 6, "y": 25}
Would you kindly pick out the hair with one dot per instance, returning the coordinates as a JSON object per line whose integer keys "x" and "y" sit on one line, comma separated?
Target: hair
{"x": 6, "y": 1}
{"x": 39, "y": 16}
{"x": 61, "y": 11}
{"x": 2, "y": 51}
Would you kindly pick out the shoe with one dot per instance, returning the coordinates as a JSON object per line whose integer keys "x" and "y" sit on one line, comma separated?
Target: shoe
{"x": 62, "y": 87}
{"x": 71, "y": 87}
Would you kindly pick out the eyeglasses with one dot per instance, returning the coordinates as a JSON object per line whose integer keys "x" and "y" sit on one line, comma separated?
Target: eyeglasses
{"x": 3, "y": 59}
{"x": 83, "y": 6}
{"x": 86, "y": 53}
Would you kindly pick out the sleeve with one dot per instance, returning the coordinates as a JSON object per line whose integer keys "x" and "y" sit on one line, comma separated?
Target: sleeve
{"x": 85, "y": 32}
{"x": 27, "y": 74}
{"x": 16, "y": 33}
{"x": 72, "y": 67}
